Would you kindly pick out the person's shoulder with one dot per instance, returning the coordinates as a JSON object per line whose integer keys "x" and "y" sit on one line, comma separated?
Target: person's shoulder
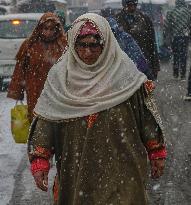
{"x": 138, "y": 94}
{"x": 179, "y": 10}
{"x": 139, "y": 12}
{"x": 176, "y": 10}
{"x": 23, "y": 49}
{"x": 112, "y": 22}
{"x": 187, "y": 10}
{"x": 26, "y": 41}
{"x": 143, "y": 15}
{"x": 24, "y": 44}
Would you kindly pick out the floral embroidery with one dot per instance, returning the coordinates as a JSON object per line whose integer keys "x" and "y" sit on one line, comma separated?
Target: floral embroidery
{"x": 149, "y": 86}
{"x": 151, "y": 105}
{"x": 38, "y": 151}
{"x": 91, "y": 119}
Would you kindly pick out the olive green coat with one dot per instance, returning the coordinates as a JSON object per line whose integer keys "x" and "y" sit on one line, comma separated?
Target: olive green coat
{"x": 107, "y": 163}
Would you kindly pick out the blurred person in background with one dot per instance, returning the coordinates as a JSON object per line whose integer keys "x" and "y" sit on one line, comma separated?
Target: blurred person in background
{"x": 35, "y": 58}
{"x": 99, "y": 120}
{"x": 176, "y": 35}
{"x": 140, "y": 27}
{"x": 127, "y": 43}
{"x": 131, "y": 48}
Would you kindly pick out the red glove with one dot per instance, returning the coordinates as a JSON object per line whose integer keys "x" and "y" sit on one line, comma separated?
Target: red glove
{"x": 40, "y": 168}
{"x": 157, "y": 167}
{"x": 40, "y": 164}
{"x": 157, "y": 160}
{"x": 158, "y": 154}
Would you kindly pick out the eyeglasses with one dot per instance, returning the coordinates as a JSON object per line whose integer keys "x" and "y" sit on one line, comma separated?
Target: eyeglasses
{"x": 88, "y": 45}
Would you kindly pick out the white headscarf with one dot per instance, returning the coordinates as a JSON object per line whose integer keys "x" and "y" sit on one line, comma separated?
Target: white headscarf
{"x": 75, "y": 89}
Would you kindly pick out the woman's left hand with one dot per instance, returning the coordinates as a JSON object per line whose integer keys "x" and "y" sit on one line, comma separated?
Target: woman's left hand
{"x": 157, "y": 167}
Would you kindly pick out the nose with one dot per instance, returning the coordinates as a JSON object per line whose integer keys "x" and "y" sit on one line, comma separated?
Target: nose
{"x": 48, "y": 31}
{"x": 87, "y": 51}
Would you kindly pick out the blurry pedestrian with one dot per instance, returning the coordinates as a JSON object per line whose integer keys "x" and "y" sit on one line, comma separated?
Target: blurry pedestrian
{"x": 130, "y": 47}
{"x": 140, "y": 27}
{"x": 36, "y": 56}
{"x": 176, "y": 35}
{"x": 97, "y": 118}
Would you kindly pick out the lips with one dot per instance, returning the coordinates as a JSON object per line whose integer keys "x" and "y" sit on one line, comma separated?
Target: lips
{"x": 88, "y": 61}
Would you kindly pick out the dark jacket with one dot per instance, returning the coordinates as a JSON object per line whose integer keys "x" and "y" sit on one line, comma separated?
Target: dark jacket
{"x": 131, "y": 48}
{"x": 141, "y": 29}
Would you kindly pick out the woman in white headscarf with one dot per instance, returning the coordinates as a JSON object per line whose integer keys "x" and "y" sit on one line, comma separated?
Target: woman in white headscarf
{"x": 97, "y": 118}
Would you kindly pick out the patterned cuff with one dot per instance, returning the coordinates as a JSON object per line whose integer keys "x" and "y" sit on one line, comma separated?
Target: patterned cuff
{"x": 153, "y": 144}
{"x": 39, "y": 152}
{"x": 40, "y": 164}
{"x": 149, "y": 86}
{"x": 91, "y": 119}
{"x": 158, "y": 154}
{"x": 42, "y": 152}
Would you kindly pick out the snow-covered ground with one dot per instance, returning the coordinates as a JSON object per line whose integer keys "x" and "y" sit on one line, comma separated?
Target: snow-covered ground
{"x": 10, "y": 152}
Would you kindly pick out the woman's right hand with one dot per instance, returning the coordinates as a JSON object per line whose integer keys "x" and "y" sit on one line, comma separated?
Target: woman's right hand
{"x": 40, "y": 168}
{"x": 41, "y": 179}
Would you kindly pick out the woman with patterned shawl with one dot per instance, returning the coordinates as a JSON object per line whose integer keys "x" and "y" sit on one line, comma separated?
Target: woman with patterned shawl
{"x": 97, "y": 118}
{"x": 36, "y": 56}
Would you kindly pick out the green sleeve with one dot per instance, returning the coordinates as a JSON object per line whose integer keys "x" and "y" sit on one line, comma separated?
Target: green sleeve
{"x": 41, "y": 139}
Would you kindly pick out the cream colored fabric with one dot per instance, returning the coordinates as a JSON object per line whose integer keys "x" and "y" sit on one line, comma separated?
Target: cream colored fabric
{"x": 75, "y": 89}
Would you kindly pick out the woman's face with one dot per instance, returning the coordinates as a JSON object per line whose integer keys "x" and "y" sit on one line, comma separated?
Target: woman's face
{"x": 49, "y": 31}
{"x": 88, "y": 49}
